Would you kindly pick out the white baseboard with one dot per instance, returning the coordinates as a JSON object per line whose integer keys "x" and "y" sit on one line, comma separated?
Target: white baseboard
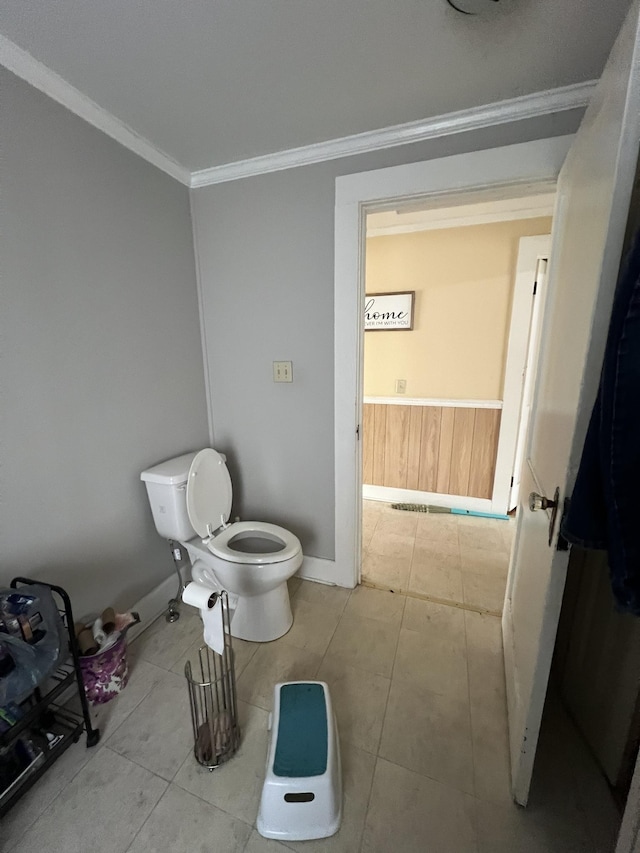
{"x": 153, "y": 604}
{"x": 322, "y": 571}
{"x": 389, "y": 495}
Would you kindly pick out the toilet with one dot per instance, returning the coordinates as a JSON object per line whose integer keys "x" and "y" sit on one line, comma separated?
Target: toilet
{"x": 190, "y": 498}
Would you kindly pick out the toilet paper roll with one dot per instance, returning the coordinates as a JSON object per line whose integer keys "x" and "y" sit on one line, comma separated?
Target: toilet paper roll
{"x": 210, "y": 605}
{"x": 198, "y": 595}
{"x": 213, "y": 627}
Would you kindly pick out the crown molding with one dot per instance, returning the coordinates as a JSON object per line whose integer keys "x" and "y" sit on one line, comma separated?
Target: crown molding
{"x": 23, "y": 65}
{"x": 502, "y": 112}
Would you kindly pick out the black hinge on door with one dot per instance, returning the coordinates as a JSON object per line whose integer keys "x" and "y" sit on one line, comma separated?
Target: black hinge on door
{"x": 358, "y": 432}
{"x": 535, "y": 287}
{"x": 512, "y": 482}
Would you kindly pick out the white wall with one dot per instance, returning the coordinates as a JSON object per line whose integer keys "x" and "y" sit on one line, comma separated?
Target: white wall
{"x": 101, "y": 354}
{"x": 265, "y": 252}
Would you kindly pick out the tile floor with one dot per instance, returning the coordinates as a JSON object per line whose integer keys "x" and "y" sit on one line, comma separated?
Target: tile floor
{"x": 442, "y": 557}
{"x": 418, "y": 689}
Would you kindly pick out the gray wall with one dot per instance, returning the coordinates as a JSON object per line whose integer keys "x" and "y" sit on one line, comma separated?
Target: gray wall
{"x": 101, "y": 356}
{"x": 265, "y": 251}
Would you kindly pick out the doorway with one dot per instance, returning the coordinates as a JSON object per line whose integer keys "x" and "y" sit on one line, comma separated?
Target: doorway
{"x": 444, "y": 398}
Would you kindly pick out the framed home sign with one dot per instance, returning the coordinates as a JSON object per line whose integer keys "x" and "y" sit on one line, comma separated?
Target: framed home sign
{"x": 389, "y": 312}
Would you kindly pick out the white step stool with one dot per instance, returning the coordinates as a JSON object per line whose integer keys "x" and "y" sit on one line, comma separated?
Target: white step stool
{"x": 302, "y": 793}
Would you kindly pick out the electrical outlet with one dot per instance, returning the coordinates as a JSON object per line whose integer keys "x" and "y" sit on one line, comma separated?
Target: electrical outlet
{"x": 401, "y": 386}
{"x": 283, "y": 371}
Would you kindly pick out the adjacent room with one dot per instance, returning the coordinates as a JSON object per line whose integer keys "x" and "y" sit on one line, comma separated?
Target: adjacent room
{"x": 434, "y": 392}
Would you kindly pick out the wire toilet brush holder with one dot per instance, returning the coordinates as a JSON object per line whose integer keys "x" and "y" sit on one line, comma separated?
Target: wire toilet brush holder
{"x": 212, "y": 696}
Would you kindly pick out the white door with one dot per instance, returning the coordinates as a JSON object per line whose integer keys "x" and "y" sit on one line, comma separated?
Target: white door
{"x": 594, "y": 189}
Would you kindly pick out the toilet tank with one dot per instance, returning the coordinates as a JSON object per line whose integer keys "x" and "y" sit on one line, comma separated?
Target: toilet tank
{"x": 167, "y": 492}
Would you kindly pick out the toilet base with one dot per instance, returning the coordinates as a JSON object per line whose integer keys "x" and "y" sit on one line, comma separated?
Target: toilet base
{"x": 261, "y": 618}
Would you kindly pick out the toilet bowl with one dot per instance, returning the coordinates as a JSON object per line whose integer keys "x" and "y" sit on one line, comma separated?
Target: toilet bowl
{"x": 251, "y": 560}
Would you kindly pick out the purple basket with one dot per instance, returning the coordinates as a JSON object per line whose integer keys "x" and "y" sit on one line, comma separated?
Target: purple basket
{"x": 105, "y": 674}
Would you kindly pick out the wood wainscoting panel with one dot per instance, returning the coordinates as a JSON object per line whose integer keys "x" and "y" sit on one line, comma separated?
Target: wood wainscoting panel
{"x": 429, "y": 447}
{"x": 444, "y": 450}
{"x": 379, "y": 443}
{"x": 483, "y": 452}
{"x": 415, "y": 453}
{"x": 463, "y": 422}
{"x": 396, "y": 446}
{"x": 439, "y": 449}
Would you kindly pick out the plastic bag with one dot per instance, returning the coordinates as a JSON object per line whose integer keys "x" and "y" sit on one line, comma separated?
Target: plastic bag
{"x": 35, "y": 609}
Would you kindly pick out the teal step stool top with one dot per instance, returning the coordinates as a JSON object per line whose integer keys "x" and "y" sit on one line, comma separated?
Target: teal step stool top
{"x": 302, "y": 792}
{"x": 301, "y": 744}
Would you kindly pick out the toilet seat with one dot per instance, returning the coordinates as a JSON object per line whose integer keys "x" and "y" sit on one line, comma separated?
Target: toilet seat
{"x": 220, "y": 547}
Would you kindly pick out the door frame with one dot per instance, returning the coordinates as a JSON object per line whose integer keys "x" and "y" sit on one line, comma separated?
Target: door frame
{"x": 526, "y": 324}
{"x": 525, "y": 166}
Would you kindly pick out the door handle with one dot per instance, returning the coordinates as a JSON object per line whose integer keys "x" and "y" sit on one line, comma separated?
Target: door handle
{"x": 537, "y": 502}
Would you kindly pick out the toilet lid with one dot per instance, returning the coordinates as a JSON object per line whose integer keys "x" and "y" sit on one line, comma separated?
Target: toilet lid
{"x": 209, "y": 492}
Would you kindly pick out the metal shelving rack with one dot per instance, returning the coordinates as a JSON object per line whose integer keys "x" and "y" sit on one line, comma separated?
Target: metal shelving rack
{"x": 42, "y": 708}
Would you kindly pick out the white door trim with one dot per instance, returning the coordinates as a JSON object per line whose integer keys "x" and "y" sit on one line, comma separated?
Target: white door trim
{"x": 529, "y": 250}
{"x": 526, "y": 163}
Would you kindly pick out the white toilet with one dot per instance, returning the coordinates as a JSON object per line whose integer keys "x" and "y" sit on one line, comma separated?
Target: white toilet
{"x": 190, "y": 499}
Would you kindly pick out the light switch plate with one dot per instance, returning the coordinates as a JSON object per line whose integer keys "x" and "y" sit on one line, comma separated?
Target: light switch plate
{"x": 283, "y": 371}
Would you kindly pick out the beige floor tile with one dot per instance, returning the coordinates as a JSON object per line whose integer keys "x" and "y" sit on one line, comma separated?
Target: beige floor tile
{"x": 100, "y": 811}
{"x": 429, "y": 733}
{"x": 509, "y": 828}
{"x": 391, "y": 572}
{"x": 398, "y": 522}
{"x": 181, "y": 822}
{"x": 391, "y": 545}
{"x": 433, "y": 620}
{"x": 366, "y": 644}
{"x": 29, "y": 808}
{"x": 373, "y": 507}
{"x": 486, "y": 662}
{"x": 359, "y": 701}
{"x": 437, "y": 663}
{"x": 491, "y": 758}
{"x": 163, "y": 644}
{"x": 438, "y": 581}
{"x": 293, "y": 584}
{"x": 274, "y": 662}
{"x": 438, "y": 528}
{"x": 375, "y": 604}
{"x": 508, "y": 531}
{"x": 237, "y": 785}
{"x": 481, "y": 533}
{"x": 483, "y": 591}
{"x": 428, "y": 554}
{"x": 485, "y": 562}
{"x": 258, "y": 844}
{"x": 367, "y": 536}
{"x": 411, "y": 814}
{"x": 313, "y": 625}
{"x": 157, "y": 734}
{"x": 357, "y": 775}
{"x": 488, "y": 702}
{"x": 332, "y": 597}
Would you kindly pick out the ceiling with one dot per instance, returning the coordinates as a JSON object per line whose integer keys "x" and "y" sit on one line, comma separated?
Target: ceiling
{"x": 210, "y": 82}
